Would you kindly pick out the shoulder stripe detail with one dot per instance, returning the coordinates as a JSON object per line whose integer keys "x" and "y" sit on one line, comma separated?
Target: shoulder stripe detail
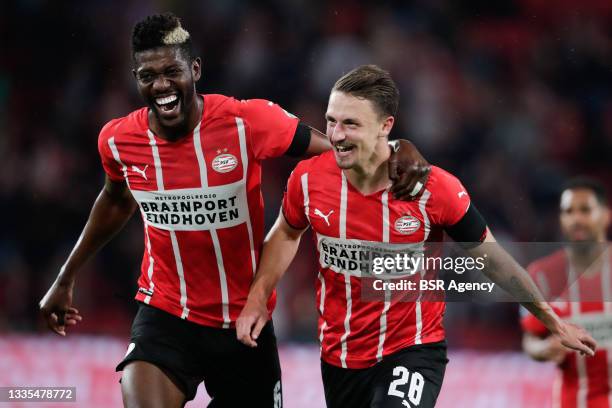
{"x": 115, "y": 152}
{"x": 244, "y": 156}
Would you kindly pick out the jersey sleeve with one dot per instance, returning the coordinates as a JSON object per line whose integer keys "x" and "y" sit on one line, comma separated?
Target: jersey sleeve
{"x": 293, "y": 207}
{"x": 110, "y": 165}
{"x": 449, "y": 199}
{"x": 271, "y": 128}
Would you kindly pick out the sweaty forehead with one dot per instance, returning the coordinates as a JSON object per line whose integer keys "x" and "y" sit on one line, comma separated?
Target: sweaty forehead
{"x": 577, "y": 197}
{"x": 158, "y": 58}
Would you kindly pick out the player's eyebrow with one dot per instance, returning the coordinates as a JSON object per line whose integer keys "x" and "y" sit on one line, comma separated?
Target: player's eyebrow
{"x": 329, "y": 118}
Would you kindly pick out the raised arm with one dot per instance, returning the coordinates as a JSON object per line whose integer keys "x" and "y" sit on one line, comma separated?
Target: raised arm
{"x": 509, "y": 275}
{"x": 110, "y": 212}
{"x": 279, "y": 249}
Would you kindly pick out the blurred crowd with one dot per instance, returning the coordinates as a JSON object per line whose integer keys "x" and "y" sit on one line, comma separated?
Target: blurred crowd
{"x": 512, "y": 97}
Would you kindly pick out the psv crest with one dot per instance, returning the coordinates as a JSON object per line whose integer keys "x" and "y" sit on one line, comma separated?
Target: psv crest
{"x": 224, "y": 163}
{"x": 407, "y": 224}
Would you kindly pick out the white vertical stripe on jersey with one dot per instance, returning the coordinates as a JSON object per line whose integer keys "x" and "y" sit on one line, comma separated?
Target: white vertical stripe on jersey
{"x": 244, "y": 156}
{"x": 423, "y": 209}
{"x": 179, "y": 270}
{"x": 147, "y": 298}
{"x": 222, "y": 278}
{"x": 156, "y": 161}
{"x": 583, "y": 380}
{"x": 426, "y": 229}
{"x": 197, "y": 145}
{"x": 115, "y": 151}
{"x": 605, "y": 276}
{"x": 175, "y": 246}
{"x": 347, "y": 277}
{"x": 322, "y": 308}
{"x": 383, "y": 316}
{"x": 304, "y": 180}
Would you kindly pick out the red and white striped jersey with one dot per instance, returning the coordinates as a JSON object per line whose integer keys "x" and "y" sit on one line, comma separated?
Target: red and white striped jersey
{"x": 356, "y": 332}
{"x": 200, "y": 201}
{"x": 582, "y": 381}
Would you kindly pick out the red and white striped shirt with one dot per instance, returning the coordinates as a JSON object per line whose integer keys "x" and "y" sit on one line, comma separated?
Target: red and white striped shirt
{"x": 201, "y": 203}
{"x": 582, "y": 381}
{"x": 355, "y": 332}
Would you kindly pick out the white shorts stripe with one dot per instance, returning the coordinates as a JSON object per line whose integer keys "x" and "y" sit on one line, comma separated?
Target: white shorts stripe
{"x": 222, "y": 279}
{"x": 245, "y": 164}
{"x": 347, "y": 278}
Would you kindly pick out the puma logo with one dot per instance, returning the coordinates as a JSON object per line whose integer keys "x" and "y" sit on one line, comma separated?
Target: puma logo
{"x": 461, "y": 193}
{"x": 141, "y": 172}
{"x": 325, "y": 217}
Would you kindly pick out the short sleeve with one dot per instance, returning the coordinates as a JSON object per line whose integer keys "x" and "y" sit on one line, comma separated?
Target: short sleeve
{"x": 293, "y": 207}
{"x": 110, "y": 165}
{"x": 270, "y": 127}
{"x": 449, "y": 198}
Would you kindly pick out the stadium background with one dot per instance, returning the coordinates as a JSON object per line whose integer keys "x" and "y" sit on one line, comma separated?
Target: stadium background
{"x": 512, "y": 97}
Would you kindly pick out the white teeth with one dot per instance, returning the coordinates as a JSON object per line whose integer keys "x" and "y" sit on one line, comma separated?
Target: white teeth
{"x": 166, "y": 100}
{"x": 343, "y": 148}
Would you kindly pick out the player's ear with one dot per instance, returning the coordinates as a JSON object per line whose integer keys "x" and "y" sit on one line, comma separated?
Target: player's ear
{"x": 196, "y": 68}
{"x": 387, "y": 125}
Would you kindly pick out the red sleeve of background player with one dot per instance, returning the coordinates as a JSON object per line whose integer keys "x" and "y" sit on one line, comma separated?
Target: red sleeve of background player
{"x": 110, "y": 165}
{"x": 293, "y": 199}
{"x": 270, "y": 127}
{"x": 449, "y": 199}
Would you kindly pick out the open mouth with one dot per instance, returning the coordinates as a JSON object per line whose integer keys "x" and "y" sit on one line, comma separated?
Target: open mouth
{"x": 344, "y": 149}
{"x": 168, "y": 105}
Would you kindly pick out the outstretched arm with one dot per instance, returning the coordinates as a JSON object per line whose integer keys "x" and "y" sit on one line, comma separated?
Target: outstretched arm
{"x": 279, "y": 249}
{"x": 110, "y": 212}
{"x": 510, "y": 276}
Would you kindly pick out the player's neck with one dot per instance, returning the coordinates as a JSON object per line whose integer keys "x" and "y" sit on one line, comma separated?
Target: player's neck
{"x": 175, "y": 133}
{"x": 373, "y": 174}
{"x": 587, "y": 258}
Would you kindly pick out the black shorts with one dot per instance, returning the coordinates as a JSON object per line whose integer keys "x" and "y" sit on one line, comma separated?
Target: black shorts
{"x": 411, "y": 377}
{"x": 234, "y": 374}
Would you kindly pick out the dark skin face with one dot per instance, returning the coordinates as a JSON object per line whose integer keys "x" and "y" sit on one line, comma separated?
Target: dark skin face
{"x": 166, "y": 81}
{"x": 583, "y": 218}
